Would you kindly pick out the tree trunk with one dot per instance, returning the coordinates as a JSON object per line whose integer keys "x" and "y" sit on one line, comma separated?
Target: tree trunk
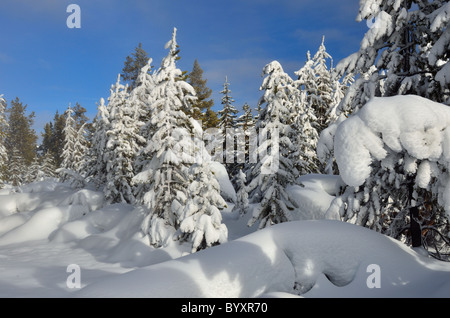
{"x": 414, "y": 226}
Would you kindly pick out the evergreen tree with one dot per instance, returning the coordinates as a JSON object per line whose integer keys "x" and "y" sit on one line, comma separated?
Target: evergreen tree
{"x": 79, "y": 116}
{"x": 16, "y": 168}
{"x": 20, "y": 134}
{"x": 170, "y": 168}
{"x": 242, "y": 203}
{"x": 201, "y": 220}
{"x": 141, "y": 98}
{"x": 3, "y": 134}
{"x": 32, "y": 172}
{"x": 122, "y": 146}
{"x": 227, "y": 126}
{"x": 166, "y": 171}
{"x": 405, "y": 51}
{"x": 97, "y": 161}
{"x": 47, "y": 167}
{"x": 305, "y": 136}
{"x": 133, "y": 65}
{"x": 246, "y": 127}
{"x": 202, "y": 107}
{"x": 274, "y": 170}
{"x": 68, "y": 167}
{"x": 53, "y": 138}
{"x": 322, "y": 98}
{"x": 80, "y": 157}
{"x": 227, "y": 116}
{"x": 59, "y": 123}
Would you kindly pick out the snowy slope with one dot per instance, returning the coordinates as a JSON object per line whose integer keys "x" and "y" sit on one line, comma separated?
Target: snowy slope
{"x": 47, "y": 226}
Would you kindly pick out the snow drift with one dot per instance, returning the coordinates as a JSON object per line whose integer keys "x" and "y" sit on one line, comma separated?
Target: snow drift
{"x": 288, "y": 258}
{"x": 47, "y": 226}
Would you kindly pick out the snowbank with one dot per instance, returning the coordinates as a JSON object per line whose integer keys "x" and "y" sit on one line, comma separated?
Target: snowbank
{"x": 226, "y": 188}
{"x": 315, "y": 258}
{"x": 288, "y": 258}
{"x": 314, "y": 196}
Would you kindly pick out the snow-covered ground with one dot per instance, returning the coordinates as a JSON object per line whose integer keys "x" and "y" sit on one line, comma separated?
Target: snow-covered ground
{"x": 60, "y": 242}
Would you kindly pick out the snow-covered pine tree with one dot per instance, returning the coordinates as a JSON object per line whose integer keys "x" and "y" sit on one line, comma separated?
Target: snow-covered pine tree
{"x": 32, "y": 171}
{"x": 242, "y": 203}
{"x": 392, "y": 155}
{"x": 246, "y": 125}
{"x": 96, "y": 166}
{"x": 274, "y": 170}
{"x": 16, "y": 168}
{"x": 47, "y": 168}
{"x": 142, "y": 99}
{"x": 201, "y": 219}
{"x": 304, "y": 135}
{"x": 80, "y": 157}
{"x": 3, "y": 152}
{"x": 170, "y": 150}
{"x": 304, "y": 117}
{"x": 405, "y": 51}
{"x": 67, "y": 169}
{"x": 122, "y": 146}
{"x": 227, "y": 126}
{"x": 321, "y": 97}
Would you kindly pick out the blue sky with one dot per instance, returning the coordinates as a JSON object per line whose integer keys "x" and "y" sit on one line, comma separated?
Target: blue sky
{"x": 48, "y": 65}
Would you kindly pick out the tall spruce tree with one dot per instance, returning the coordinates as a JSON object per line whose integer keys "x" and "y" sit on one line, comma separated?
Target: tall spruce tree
{"x": 3, "y": 134}
{"x": 166, "y": 171}
{"x": 20, "y": 136}
{"x": 133, "y": 65}
{"x": 97, "y": 161}
{"x": 171, "y": 153}
{"x": 322, "y": 100}
{"x": 123, "y": 142}
{"x": 227, "y": 126}
{"x": 274, "y": 171}
{"x": 201, "y": 109}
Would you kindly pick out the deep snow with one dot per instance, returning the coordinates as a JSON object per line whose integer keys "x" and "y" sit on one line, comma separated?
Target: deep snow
{"x": 47, "y": 226}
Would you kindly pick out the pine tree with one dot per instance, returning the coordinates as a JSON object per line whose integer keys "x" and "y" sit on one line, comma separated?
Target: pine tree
{"x": 122, "y": 146}
{"x": 403, "y": 52}
{"x": 141, "y": 98}
{"x": 166, "y": 171}
{"x": 304, "y": 136}
{"x": 242, "y": 203}
{"x": 32, "y": 172}
{"x": 133, "y": 65}
{"x": 96, "y": 167}
{"x": 201, "y": 220}
{"x": 202, "y": 107}
{"x": 227, "y": 126}
{"x": 3, "y": 132}
{"x": 16, "y": 168}
{"x": 80, "y": 157}
{"x": 322, "y": 97}
{"x": 246, "y": 127}
{"x": 57, "y": 144}
{"x": 274, "y": 170}
{"x": 20, "y": 134}
{"x": 68, "y": 168}
{"x": 47, "y": 167}
{"x": 174, "y": 162}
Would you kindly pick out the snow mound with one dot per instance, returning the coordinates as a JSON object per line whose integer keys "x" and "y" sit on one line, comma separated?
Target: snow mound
{"x": 314, "y": 196}
{"x": 227, "y": 190}
{"x": 287, "y": 258}
{"x": 39, "y": 210}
